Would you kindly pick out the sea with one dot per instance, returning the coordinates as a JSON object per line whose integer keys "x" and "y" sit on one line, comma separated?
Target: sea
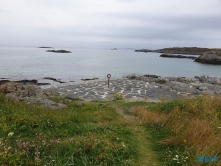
{"x": 19, "y": 63}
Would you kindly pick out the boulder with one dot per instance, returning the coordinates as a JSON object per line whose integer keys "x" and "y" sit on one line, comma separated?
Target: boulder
{"x": 133, "y": 76}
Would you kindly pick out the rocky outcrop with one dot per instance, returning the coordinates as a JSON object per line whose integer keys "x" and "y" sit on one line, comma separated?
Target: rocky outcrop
{"x": 25, "y": 82}
{"x": 88, "y": 79}
{"x": 54, "y": 79}
{"x": 58, "y": 51}
{"x": 211, "y": 57}
{"x": 181, "y": 50}
{"x": 31, "y": 94}
{"x": 183, "y": 85}
{"x": 144, "y": 50}
{"x": 176, "y": 56}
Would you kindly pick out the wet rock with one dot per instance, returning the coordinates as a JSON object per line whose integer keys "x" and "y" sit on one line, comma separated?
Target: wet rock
{"x": 28, "y": 82}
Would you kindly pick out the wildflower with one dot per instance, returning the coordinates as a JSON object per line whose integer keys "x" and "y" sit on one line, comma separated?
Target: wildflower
{"x": 123, "y": 145}
{"x": 10, "y": 134}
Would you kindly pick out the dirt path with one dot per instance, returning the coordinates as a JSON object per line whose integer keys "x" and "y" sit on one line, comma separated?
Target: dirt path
{"x": 146, "y": 156}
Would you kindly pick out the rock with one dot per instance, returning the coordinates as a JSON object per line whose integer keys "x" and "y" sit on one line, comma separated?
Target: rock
{"x": 49, "y": 93}
{"x": 208, "y": 92}
{"x": 183, "y": 50}
{"x": 203, "y": 88}
{"x": 45, "y": 47}
{"x": 196, "y": 85}
{"x": 151, "y": 76}
{"x": 211, "y": 57}
{"x": 176, "y": 56}
{"x": 25, "y": 82}
{"x": 144, "y": 50}
{"x": 88, "y": 79}
{"x": 72, "y": 97}
{"x": 210, "y": 80}
{"x": 50, "y": 78}
{"x": 45, "y": 103}
{"x": 183, "y": 93}
{"x": 4, "y": 81}
{"x": 10, "y": 87}
{"x": 218, "y": 92}
{"x": 133, "y": 76}
{"x": 58, "y": 51}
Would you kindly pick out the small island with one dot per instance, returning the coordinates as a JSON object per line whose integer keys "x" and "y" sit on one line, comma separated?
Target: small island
{"x": 59, "y": 51}
{"x": 45, "y": 47}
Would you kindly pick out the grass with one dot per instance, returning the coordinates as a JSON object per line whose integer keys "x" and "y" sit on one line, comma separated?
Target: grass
{"x": 184, "y": 130}
{"x": 94, "y": 133}
{"x": 85, "y": 134}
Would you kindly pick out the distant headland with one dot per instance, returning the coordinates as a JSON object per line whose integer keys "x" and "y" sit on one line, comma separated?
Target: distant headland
{"x": 207, "y": 55}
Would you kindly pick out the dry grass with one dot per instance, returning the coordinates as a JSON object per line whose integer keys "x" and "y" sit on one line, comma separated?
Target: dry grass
{"x": 196, "y": 126}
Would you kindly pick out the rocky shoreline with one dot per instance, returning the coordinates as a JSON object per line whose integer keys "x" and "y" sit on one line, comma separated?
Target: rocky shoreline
{"x": 211, "y": 57}
{"x": 176, "y": 56}
{"x": 207, "y": 55}
{"x": 134, "y": 87}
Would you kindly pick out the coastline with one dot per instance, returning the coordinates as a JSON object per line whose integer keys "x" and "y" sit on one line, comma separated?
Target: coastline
{"x": 133, "y": 87}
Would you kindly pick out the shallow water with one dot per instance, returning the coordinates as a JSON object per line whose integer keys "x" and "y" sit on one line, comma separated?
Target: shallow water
{"x": 18, "y": 63}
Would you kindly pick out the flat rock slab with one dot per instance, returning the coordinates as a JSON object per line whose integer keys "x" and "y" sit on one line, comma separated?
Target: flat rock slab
{"x": 132, "y": 90}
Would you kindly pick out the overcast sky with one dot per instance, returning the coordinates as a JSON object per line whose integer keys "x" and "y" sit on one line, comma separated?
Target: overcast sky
{"x": 111, "y": 23}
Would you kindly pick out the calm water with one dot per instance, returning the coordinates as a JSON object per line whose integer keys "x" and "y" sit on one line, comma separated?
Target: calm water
{"x": 18, "y": 63}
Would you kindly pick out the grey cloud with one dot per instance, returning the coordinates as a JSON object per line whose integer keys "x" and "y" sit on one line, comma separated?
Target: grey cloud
{"x": 86, "y": 23}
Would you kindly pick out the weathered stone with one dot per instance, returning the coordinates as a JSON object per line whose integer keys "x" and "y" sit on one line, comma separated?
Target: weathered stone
{"x": 46, "y": 103}
{"x": 202, "y": 88}
{"x": 10, "y": 87}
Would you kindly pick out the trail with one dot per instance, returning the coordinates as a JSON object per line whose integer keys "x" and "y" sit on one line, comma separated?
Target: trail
{"x": 146, "y": 156}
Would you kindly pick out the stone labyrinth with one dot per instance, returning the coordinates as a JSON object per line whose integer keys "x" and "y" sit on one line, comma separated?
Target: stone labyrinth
{"x": 131, "y": 90}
